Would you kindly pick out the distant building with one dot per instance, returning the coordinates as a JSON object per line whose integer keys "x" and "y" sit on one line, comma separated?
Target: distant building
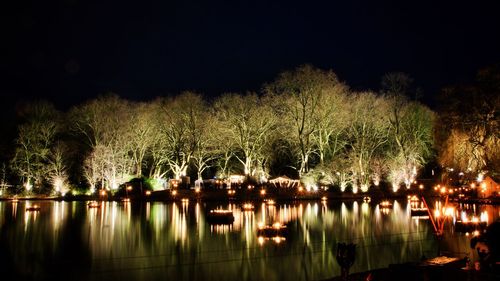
{"x": 284, "y": 182}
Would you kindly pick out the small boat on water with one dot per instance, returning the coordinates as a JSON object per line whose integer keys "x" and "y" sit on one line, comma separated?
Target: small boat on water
{"x": 385, "y": 204}
{"x": 270, "y": 202}
{"x": 470, "y": 226}
{"x": 93, "y": 205}
{"x": 34, "y": 208}
{"x": 247, "y": 207}
{"x": 274, "y": 230}
{"x": 419, "y": 212}
{"x": 220, "y": 217}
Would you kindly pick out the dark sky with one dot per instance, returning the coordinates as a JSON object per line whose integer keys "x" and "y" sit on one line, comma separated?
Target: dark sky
{"x": 69, "y": 51}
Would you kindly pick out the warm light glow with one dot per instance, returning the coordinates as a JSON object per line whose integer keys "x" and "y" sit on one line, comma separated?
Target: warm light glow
{"x": 385, "y": 203}
{"x": 449, "y": 211}
{"x": 437, "y": 213}
{"x": 480, "y": 177}
{"x": 148, "y": 192}
{"x": 484, "y": 217}
{"x": 129, "y": 188}
{"x": 248, "y": 206}
{"x": 174, "y": 192}
{"x": 103, "y": 192}
{"x": 261, "y": 240}
{"x": 262, "y": 192}
{"x": 421, "y": 186}
{"x": 301, "y": 188}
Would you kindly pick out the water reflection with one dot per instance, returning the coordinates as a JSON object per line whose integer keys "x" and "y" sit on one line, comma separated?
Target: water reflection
{"x": 136, "y": 241}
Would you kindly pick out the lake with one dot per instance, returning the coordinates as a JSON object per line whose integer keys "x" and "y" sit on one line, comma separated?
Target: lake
{"x": 174, "y": 241}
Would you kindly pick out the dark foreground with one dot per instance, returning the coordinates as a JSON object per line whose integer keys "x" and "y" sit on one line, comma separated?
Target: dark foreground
{"x": 415, "y": 272}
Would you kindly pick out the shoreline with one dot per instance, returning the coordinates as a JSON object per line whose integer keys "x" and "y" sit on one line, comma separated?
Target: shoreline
{"x": 243, "y": 195}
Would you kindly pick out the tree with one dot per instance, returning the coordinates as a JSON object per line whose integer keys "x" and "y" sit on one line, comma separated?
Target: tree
{"x": 301, "y": 92}
{"x": 143, "y": 130}
{"x": 411, "y": 139}
{"x": 181, "y": 122}
{"x": 411, "y": 125}
{"x": 247, "y": 122}
{"x": 469, "y": 124}
{"x": 367, "y": 133}
{"x": 35, "y": 138}
{"x": 105, "y": 125}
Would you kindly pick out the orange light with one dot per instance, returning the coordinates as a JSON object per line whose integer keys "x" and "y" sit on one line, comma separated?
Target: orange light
{"x": 148, "y": 192}
{"x": 262, "y": 192}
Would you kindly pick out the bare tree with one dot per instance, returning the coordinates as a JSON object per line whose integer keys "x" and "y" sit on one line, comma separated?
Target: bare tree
{"x": 180, "y": 127}
{"x": 367, "y": 132}
{"x": 247, "y": 122}
{"x": 35, "y": 138}
{"x": 105, "y": 124}
{"x": 301, "y": 92}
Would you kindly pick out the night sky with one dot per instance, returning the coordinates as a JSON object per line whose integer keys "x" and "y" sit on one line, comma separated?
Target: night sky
{"x": 73, "y": 50}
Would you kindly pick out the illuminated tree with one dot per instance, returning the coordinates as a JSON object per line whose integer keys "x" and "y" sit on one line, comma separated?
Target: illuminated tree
{"x": 35, "y": 138}
{"x": 367, "y": 133}
{"x": 205, "y": 151}
{"x": 469, "y": 124}
{"x": 332, "y": 119}
{"x": 247, "y": 123}
{"x": 56, "y": 169}
{"x": 180, "y": 125}
{"x": 411, "y": 127}
{"x": 143, "y": 133}
{"x": 301, "y": 93}
{"x": 105, "y": 125}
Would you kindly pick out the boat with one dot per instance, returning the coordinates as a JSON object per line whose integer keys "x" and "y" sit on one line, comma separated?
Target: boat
{"x": 419, "y": 212}
{"x": 470, "y": 226}
{"x": 34, "y": 208}
{"x": 247, "y": 207}
{"x": 273, "y": 230}
{"x": 93, "y": 205}
{"x": 220, "y": 217}
{"x": 270, "y": 202}
{"x": 385, "y": 204}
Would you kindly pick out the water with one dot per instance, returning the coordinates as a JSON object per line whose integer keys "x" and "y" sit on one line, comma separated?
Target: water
{"x": 173, "y": 241}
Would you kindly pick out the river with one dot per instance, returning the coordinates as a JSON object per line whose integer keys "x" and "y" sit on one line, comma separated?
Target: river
{"x": 174, "y": 241}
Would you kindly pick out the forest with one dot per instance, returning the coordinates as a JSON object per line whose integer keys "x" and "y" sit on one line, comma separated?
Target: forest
{"x": 306, "y": 124}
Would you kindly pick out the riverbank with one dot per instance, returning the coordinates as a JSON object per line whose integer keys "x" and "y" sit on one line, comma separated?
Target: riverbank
{"x": 256, "y": 194}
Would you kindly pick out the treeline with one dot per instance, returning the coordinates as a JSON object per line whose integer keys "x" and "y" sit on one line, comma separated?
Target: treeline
{"x": 306, "y": 123}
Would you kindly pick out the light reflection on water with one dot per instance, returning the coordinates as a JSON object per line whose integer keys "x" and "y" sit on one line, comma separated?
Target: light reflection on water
{"x": 153, "y": 240}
